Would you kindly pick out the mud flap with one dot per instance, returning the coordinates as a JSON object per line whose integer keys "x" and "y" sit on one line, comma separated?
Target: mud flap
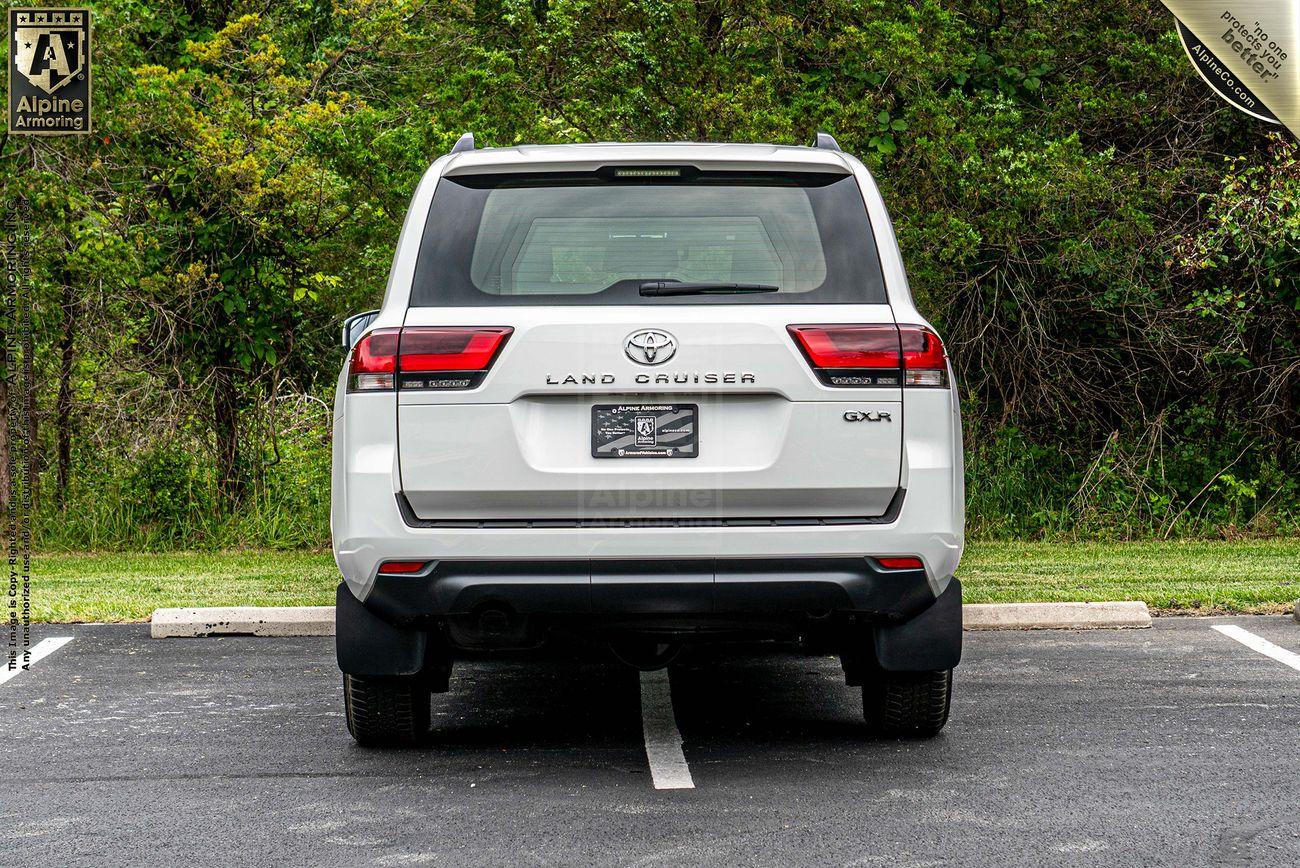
{"x": 368, "y": 645}
{"x": 929, "y": 642}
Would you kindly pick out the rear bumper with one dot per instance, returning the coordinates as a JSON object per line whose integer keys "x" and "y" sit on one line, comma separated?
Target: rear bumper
{"x": 683, "y": 587}
{"x": 369, "y": 528}
{"x": 413, "y": 626}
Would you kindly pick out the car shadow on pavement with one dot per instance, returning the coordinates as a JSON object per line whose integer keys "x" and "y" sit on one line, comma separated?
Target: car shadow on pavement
{"x": 765, "y": 695}
{"x": 538, "y": 704}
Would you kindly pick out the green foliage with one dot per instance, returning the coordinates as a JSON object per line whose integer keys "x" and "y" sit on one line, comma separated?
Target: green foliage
{"x": 1244, "y": 263}
{"x": 164, "y": 487}
{"x": 883, "y": 139}
{"x": 166, "y": 499}
{"x": 1109, "y": 252}
{"x": 1180, "y": 478}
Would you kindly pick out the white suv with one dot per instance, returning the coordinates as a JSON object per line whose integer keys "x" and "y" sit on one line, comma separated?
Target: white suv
{"x": 651, "y": 395}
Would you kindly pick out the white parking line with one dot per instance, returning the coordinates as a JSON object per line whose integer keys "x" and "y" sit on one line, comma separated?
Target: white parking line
{"x": 1257, "y": 643}
{"x": 40, "y": 651}
{"x": 663, "y": 743}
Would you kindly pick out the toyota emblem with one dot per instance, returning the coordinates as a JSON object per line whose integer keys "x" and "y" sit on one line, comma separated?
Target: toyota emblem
{"x": 650, "y": 346}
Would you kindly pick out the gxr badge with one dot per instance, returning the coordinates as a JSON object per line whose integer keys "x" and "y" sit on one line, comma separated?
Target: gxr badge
{"x": 867, "y": 416}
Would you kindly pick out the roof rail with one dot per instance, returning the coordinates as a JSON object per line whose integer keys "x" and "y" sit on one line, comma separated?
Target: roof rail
{"x": 464, "y": 143}
{"x": 826, "y": 142}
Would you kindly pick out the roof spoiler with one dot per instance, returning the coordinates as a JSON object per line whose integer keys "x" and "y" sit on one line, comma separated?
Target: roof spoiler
{"x": 465, "y": 143}
{"x": 825, "y": 141}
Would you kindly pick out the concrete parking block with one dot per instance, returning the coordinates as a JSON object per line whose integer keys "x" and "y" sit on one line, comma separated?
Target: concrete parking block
{"x": 1054, "y": 616}
{"x": 243, "y": 621}
{"x": 319, "y": 620}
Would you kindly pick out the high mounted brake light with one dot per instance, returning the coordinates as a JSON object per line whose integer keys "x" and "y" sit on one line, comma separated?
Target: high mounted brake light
{"x": 422, "y": 357}
{"x": 860, "y": 356}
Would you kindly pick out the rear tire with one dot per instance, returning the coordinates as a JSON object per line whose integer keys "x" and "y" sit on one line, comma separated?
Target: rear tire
{"x": 907, "y": 704}
{"x": 386, "y": 712}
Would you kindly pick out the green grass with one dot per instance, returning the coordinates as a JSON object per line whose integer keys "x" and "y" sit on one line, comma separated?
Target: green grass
{"x": 1248, "y": 576}
{"x": 127, "y": 587}
{"x": 1195, "y": 577}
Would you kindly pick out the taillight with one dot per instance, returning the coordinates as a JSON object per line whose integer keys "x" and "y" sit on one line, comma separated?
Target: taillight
{"x": 373, "y": 366}
{"x": 422, "y": 357}
{"x": 873, "y": 355}
{"x": 924, "y": 361}
{"x": 849, "y": 346}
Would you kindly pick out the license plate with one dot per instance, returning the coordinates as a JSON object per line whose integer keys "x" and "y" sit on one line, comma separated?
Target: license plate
{"x": 644, "y": 431}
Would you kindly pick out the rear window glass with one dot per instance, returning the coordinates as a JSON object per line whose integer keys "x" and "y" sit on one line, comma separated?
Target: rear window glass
{"x": 594, "y": 238}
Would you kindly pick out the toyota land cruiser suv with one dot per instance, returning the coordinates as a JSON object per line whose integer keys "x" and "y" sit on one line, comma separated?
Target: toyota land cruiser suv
{"x": 650, "y": 395}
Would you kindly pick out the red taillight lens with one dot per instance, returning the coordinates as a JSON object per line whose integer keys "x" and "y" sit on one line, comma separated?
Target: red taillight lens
{"x": 373, "y": 366}
{"x": 849, "y": 346}
{"x": 924, "y": 361}
{"x": 399, "y": 568}
{"x": 424, "y": 358}
{"x": 450, "y": 349}
{"x": 900, "y": 563}
{"x": 873, "y": 355}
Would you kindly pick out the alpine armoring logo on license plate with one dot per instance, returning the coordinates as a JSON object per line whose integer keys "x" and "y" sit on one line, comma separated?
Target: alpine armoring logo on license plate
{"x": 49, "y": 71}
{"x": 647, "y": 431}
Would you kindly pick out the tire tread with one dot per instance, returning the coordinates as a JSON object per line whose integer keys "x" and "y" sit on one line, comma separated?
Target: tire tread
{"x": 386, "y": 712}
{"x": 908, "y": 705}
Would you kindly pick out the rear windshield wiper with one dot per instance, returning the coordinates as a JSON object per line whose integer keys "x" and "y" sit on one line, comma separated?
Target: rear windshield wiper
{"x": 677, "y": 287}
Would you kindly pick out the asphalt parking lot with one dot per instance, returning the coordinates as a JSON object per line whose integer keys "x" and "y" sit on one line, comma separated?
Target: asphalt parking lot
{"x": 1177, "y": 745}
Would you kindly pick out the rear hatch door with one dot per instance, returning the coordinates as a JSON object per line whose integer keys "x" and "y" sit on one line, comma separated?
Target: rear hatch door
{"x": 743, "y": 428}
{"x": 610, "y": 402}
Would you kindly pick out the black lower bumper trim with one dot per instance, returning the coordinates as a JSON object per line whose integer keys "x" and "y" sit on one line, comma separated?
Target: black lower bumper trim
{"x": 710, "y": 586}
